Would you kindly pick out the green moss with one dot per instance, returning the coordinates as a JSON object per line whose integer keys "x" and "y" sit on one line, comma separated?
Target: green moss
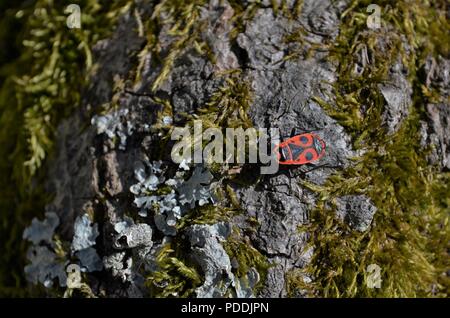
{"x": 225, "y": 207}
{"x": 173, "y": 278}
{"x": 184, "y": 17}
{"x": 42, "y": 85}
{"x": 409, "y": 235}
{"x": 227, "y": 107}
{"x": 247, "y": 257}
{"x": 282, "y": 7}
{"x": 207, "y": 214}
{"x": 60, "y": 61}
{"x": 408, "y": 239}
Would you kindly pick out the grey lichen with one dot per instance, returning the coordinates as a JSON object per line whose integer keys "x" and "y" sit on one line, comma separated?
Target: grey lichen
{"x": 196, "y": 188}
{"x": 85, "y": 233}
{"x": 90, "y": 261}
{"x": 136, "y": 235}
{"x": 165, "y": 206}
{"x": 45, "y": 267}
{"x": 120, "y": 265}
{"x": 114, "y": 125}
{"x": 182, "y": 195}
{"x": 42, "y": 231}
{"x": 208, "y": 252}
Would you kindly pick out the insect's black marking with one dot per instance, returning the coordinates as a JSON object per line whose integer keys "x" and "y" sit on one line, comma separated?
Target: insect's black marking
{"x": 295, "y": 150}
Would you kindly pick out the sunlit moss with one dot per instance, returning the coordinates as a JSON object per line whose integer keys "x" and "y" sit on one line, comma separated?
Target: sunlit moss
{"x": 173, "y": 277}
{"x": 41, "y": 86}
{"x": 184, "y": 17}
{"x": 247, "y": 257}
{"x": 409, "y": 235}
{"x": 227, "y": 107}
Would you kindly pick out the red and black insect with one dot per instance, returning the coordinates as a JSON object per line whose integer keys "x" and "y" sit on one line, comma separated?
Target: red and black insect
{"x": 300, "y": 149}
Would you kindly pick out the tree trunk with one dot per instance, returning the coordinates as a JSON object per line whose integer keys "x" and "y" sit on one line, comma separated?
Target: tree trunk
{"x": 137, "y": 224}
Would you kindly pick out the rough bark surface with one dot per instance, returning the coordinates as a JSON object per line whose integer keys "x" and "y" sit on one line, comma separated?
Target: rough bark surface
{"x": 95, "y": 167}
